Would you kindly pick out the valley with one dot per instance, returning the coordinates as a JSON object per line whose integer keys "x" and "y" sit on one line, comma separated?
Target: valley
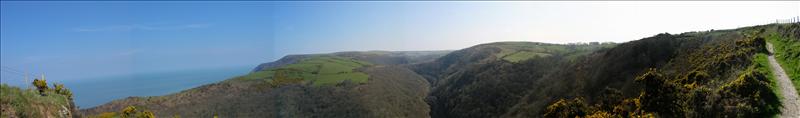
{"x": 399, "y": 59}
{"x": 730, "y": 73}
{"x": 506, "y": 79}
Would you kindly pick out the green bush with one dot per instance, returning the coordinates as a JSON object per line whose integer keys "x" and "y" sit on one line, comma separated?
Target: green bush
{"x": 60, "y": 89}
{"x": 133, "y": 112}
{"x": 41, "y": 85}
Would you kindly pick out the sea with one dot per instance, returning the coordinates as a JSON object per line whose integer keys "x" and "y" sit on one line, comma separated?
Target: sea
{"x": 92, "y": 92}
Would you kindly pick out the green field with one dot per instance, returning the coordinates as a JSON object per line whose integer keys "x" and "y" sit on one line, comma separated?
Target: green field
{"x": 320, "y": 70}
{"x": 520, "y": 51}
{"x": 764, "y": 67}
{"x": 516, "y": 52}
{"x": 523, "y": 55}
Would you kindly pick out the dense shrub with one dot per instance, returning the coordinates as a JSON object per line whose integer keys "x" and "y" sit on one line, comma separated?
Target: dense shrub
{"x": 479, "y": 82}
{"x": 659, "y": 95}
{"x": 695, "y": 83}
{"x": 133, "y": 112}
{"x": 567, "y": 109}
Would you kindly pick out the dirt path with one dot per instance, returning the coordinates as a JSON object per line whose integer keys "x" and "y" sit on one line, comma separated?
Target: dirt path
{"x": 791, "y": 103}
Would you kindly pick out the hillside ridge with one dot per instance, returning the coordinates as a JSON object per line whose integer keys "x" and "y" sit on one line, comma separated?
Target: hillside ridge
{"x": 692, "y": 74}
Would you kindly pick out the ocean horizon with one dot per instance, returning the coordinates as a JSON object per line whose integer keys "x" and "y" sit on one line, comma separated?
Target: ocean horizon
{"x": 92, "y": 92}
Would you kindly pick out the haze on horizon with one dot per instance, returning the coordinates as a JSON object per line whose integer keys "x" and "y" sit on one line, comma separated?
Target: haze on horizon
{"x": 75, "y": 40}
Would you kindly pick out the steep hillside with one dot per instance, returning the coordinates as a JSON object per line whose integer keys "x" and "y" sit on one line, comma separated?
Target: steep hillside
{"x": 314, "y": 86}
{"x": 610, "y": 70}
{"x": 694, "y": 74}
{"x": 29, "y": 103}
{"x": 718, "y": 73}
{"x": 718, "y": 78}
{"x": 485, "y": 80}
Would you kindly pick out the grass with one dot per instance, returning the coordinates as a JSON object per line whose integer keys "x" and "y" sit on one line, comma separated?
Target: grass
{"x": 338, "y": 78}
{"x": 106, "y": 115}
{"x": 523, "y": 55}
{"x": 520, "y": 51}
{"x": 28, "y": 103}
{"x": 772, "y": 106}
{"x": 764, "y": 67}
{"x": 508, "y": 48}
{"x": 318, "y": 71}
{"x": 786, "y": 52}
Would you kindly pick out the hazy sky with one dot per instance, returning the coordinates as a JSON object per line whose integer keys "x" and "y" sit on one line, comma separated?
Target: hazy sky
{"x": 73, "y": 40}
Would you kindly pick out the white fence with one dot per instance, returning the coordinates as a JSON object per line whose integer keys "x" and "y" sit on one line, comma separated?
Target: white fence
{"x": 795, "y": 19}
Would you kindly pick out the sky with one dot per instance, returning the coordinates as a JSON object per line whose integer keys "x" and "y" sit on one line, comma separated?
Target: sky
{"x": 77, "y": 40}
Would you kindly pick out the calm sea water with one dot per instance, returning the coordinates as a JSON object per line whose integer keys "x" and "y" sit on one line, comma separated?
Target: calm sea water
{"x": 93, "y": 92}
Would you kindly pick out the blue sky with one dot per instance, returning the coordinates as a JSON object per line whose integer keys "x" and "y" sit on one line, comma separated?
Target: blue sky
{"x": 76, "y": 40}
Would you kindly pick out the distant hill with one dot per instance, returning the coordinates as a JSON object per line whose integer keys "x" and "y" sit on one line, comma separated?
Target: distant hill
{"x": 717, "y": 73}
{"x": 345, "y": 84}
{"x": 376, "y": 57}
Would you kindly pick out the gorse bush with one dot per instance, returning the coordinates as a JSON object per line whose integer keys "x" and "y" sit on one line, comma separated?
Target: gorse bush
{"x": 128, "y": 111}
{"x": 717, "y": 79}
{"x": 614, "y": 107}
{"x": 147, "y": 114}
{"x": 133, "y": 112}
{"x": 567, "y": 108}
{"x": 658, "y": 95}
{"x": 60, "y": 89}
{"x": 41, "y": 85}
{"x": 281, "y": 78}
{"x": 748, "y": 95}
